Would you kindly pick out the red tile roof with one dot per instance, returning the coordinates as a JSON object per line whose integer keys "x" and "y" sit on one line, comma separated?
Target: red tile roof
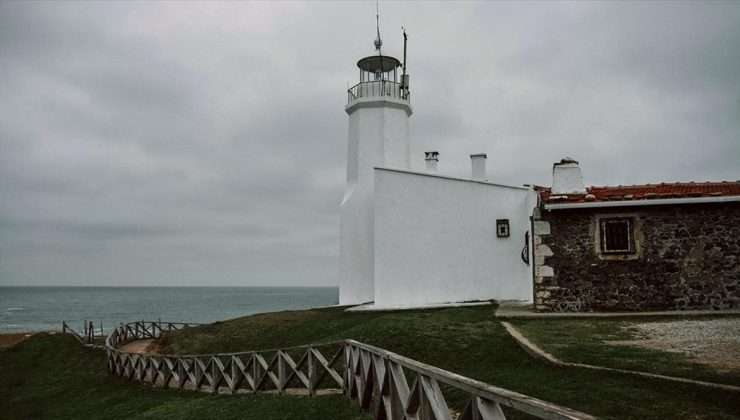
{"x": 644, "y": 192}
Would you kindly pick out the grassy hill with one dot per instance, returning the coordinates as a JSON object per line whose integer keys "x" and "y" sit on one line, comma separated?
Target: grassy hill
{"x": 468, "y": 341}
{"x": 52, "y": 376}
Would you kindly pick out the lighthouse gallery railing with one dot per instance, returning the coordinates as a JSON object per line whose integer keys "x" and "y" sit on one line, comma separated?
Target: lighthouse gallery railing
{"x": 393, "y": 386}
{"x": 377, "y": 88}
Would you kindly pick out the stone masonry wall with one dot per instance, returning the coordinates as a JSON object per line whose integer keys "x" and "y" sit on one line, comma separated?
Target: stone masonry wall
{"x": 688, "y": 258}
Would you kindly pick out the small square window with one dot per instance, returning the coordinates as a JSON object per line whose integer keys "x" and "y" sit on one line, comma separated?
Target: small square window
{"x": 502, "y": 228}
{"x": 617, "y": 235}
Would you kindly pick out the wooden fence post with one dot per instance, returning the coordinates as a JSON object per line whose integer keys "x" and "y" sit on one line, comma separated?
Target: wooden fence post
{"x": 281, "y": 372}
{"x": 255, "y": 372}
{"x": 311, "y": 372}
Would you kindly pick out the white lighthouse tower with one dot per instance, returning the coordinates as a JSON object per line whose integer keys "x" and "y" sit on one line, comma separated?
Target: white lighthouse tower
{"x": 379, "y": 110}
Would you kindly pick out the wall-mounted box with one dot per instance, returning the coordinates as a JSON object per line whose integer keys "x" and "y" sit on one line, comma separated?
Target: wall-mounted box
{"x": 502, "y": 228}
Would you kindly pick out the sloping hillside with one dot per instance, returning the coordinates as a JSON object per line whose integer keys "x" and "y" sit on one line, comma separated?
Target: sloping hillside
{"x": 468, "y": 341}
{"x": 53, "y": 376}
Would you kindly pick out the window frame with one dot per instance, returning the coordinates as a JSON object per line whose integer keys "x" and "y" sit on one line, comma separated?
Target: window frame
{"x": 631, "y": 242}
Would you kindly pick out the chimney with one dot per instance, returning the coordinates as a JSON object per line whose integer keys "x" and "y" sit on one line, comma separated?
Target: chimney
{"x": 478, "y": 163}
{"x": 431, "y": 158}
{"x": 567, "y": 178}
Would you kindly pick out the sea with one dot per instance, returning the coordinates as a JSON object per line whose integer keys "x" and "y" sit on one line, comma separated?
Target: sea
{"x": 28, "y": 309}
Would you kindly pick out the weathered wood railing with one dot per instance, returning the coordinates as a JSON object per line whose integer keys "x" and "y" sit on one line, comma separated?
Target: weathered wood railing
{"x": 88, "y": 337}
{"x": 297, "y": 367}
{"x": 377, "y": 379}
{"x": 66, "y": 329}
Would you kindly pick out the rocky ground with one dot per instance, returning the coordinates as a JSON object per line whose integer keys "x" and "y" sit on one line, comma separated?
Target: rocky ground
{"x": 715, "y": 342}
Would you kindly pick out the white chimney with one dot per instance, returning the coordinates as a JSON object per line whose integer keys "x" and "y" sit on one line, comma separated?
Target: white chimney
{"x": 431, "y": 158}
{"x": 567, "y": 178}
{"x": 478, "y": 163}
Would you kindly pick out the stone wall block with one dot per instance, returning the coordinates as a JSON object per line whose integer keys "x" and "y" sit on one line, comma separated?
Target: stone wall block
{"x": 543, "y": 250}
{"x": 541, "y": 227}
{"x": 543, "y": 271}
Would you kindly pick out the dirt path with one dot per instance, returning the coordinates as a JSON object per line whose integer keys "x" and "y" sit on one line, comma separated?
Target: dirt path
{"x": 140, "y": 346}
{"x": 8, "y": 340}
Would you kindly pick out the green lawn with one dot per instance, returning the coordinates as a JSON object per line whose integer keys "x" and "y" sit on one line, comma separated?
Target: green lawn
{"x": 587, "y": 341}
{"x": 471, "y": 342}
{"x": 53, "y": 376}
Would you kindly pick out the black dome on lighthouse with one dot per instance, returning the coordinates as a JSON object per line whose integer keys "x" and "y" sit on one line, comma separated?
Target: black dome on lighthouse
{"x": 375, "y": 63}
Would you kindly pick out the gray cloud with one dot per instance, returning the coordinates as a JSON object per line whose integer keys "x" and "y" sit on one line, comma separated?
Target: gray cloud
{"x": 205, "y": 143}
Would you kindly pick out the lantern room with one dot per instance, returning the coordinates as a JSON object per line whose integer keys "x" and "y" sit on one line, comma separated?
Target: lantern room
{"x": 378, "y": 67}
{"x": 380, "y": 76}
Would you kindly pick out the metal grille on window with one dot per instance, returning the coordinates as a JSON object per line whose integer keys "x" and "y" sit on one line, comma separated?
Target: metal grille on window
{"x": 617, "y": 236}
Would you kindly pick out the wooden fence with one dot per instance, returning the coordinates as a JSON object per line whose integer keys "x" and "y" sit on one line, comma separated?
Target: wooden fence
{"x": 88, "y": 336}
{"x": 376, "y": 379}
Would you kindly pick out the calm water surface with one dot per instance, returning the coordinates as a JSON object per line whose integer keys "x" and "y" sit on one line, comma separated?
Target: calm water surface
{"x": 44, "y": 308}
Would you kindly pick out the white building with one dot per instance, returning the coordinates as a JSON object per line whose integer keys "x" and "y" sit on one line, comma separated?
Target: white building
{"x": 420, "y": 238}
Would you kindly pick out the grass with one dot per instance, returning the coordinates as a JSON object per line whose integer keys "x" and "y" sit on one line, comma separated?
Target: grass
{"x": 53, "y": 376}
{"x": 586, "y": 341}
{"x": 471, "y": 342}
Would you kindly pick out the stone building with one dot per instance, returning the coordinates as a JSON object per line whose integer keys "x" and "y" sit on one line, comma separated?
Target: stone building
{"x": 635, "y": 248}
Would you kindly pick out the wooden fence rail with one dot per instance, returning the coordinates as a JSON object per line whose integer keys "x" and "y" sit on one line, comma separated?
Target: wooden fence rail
{"x": 87, "y": 337}
{"x": 392, "y": 386}
{"x": 69, "y": 330}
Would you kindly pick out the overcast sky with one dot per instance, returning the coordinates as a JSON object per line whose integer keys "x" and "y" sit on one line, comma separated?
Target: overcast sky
{"x": 154, "y": 143}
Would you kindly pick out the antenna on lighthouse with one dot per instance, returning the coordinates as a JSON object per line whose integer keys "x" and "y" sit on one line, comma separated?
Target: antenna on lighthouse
{"x": 405, "y": 39}
{"x": 378, "y": 42}
{"x": 404, "y": 77}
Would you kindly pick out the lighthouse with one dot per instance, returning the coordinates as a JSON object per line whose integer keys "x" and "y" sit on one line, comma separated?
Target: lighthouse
{"x": 379, "y": 108}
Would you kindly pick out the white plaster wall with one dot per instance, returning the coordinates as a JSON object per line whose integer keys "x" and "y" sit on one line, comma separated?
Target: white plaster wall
{"x": 377, "y": 136}
{"x": 435, "y": 240}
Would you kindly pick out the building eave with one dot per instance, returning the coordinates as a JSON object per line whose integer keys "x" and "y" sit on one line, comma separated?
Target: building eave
{"x": 637, "y": 203}
{"x": 379, "y": 168}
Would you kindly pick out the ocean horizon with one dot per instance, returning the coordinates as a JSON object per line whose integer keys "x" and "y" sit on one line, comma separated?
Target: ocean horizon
{"x": 40, "y": 308}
